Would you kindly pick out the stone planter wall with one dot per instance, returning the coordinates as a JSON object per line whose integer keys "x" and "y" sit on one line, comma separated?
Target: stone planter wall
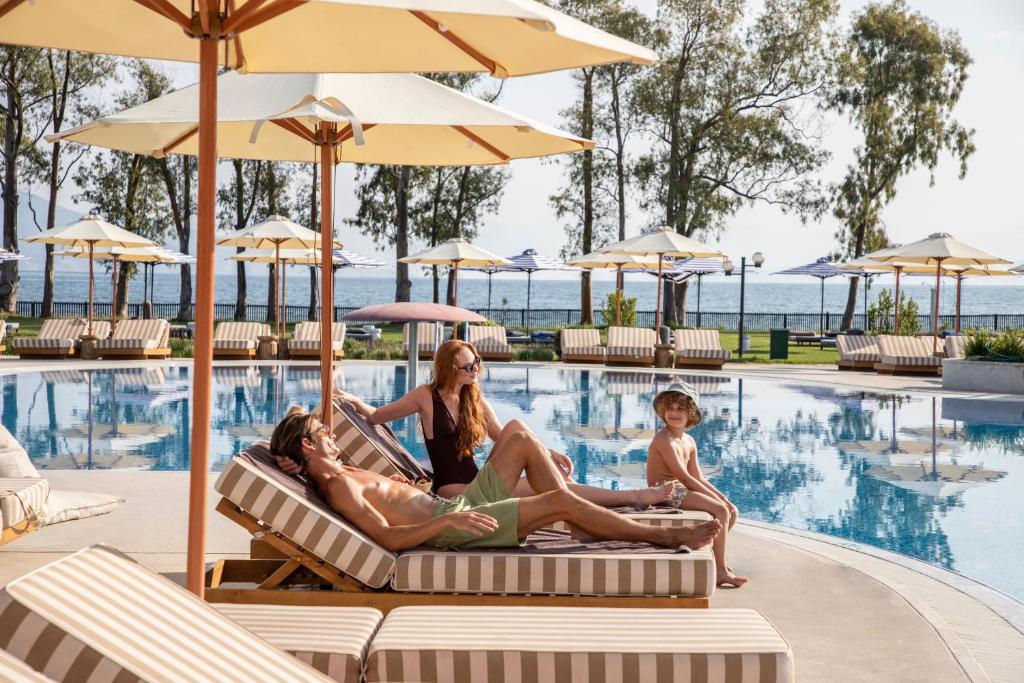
{"x": 986, "y": 376}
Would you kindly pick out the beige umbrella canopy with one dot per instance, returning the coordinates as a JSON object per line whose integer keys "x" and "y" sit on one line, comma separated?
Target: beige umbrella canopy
{"x": 456, "y": 253}
{"x": 937, "y": 250}
{"x": 288, "y": 257}
{"x": 662, "y": 242}
{"x": 86, "y": 235}
{"x": 503, "y": 37}
{"x": 596, "y": 260}
{"x": 938, "y": 482}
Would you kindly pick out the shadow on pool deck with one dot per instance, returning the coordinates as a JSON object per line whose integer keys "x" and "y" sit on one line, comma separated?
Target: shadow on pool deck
{"x": 843, "y": 623}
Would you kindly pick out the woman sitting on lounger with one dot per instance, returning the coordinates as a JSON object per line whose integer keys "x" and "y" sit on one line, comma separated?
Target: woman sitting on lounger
{"x": 457, "y": 419}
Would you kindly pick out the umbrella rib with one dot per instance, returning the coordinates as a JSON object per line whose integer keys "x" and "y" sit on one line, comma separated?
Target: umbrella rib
{"x": 296, "y": 128}
{"x": 274, "y": 9}
{"x": 483, "y": 143}
{"x": 8, "y": 6}
{"x": 483, "y": 61}
{"x": 239, "y": 15}
{"x": 179, "y": 140}
{"x": 347, "y": 132}
{"x": 166, "y": 9}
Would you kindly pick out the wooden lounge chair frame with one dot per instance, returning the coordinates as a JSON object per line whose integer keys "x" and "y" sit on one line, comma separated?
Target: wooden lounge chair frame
{"x": 17, "y": 530}
{"x": 273, "y": 577}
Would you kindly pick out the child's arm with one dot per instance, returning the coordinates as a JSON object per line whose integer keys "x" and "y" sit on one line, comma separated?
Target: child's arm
{"x": 662, "y": 449}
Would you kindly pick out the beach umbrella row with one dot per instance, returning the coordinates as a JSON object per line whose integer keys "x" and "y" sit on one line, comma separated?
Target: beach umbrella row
{"x": 823, "y": 269}
{"x": 606, "y": 260}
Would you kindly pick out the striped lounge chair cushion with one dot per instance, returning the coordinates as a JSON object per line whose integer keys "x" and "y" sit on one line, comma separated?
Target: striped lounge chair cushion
{"x": 424, "y": 336}
{"x": 447, "y": 644}
{"x": 714, "y": 354}
{"x": 700, "y": 344}
{"x": 955, "y": 346}
{"x": 291, "y": 506}
{"x": 310, "y": 331}
{"x": 631, "y": 351}
{"x": 631, "y": 341}
{"x": 55, "y": 333}
{"x": 581, "y": 342}
{"x": 100, "y": 329}
{"x": 561, "y": 567}
{"x": 596, "y": 350}
{"x": 492, "y": 346}
{"x": 234, "y": 344}
{"x": 21, "y": 498}
{"x": 17, "y": 671}
{"x": 913, "y": 351}
{"x": 43, "y": 343}
{"x": 236, "y": 330}
{"x": 138, "y": 334}
{"x": 857, "y": 347}
{"x": 488, "y": 338}
{"x": 126, "y": 344}
{"x": 655, "y": 516}
{"x": 373, "y": 447}
{"x": 333, "y": 640}
{"x": 96, "y": 615}
{"x": 311, "y": 344}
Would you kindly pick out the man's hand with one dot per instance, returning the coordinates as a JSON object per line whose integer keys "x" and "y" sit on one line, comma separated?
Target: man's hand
{"x": 288, "y": 466}
{"x": 475, "y": 523}
{"x": 344, "y": 395}
{"x": 563, "y": 463}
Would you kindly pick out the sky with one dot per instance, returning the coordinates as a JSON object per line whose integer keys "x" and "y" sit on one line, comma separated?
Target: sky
{"x": 983, "y": 209}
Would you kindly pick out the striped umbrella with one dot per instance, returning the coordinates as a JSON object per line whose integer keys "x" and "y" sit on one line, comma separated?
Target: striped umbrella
{"x": 687, "y": 268}
{"x": 823, "y": 269}
{"x": 6, "y": 255}
{"x": 528, "y": 262}
{"x": 343, "y": 258}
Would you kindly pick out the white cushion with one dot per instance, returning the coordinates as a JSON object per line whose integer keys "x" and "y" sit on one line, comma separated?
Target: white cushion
{"x": 64, "y": 506}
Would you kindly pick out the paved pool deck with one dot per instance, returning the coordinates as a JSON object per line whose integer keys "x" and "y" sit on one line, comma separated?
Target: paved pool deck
{"x": 850, "y": 612}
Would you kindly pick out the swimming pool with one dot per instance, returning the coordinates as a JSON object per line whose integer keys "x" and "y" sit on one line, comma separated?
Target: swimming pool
{"x": 914, "y": 474}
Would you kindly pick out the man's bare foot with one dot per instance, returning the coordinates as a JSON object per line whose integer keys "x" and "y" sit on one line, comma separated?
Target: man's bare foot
{"x": 652, "y": 495}
{"x": 727, "y": 578}
{"x": 693, "y": 537}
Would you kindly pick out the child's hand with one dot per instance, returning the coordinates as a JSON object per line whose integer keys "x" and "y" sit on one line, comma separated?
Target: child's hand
{"x": 563, "y": 463}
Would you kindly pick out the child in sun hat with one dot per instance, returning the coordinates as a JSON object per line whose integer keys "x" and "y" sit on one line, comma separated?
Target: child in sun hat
{"x": 672, "y": 456}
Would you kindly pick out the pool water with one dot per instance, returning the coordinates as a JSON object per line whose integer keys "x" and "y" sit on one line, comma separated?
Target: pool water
{"x": 938, "y": 479}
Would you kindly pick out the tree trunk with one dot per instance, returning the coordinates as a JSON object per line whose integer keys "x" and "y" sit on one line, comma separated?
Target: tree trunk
{"x": 122, "y": 290}
{"x": 9, "y": 269}
{"x": 669, "y": 302}
{"x": 679, "y": 310}
{"x": 241, "y": 286}
{"x": 271, "y": 295}
{"x": 586, "y": 301}
{"x": 184, "y": 237}
{"x": 437, "y": 288}
{"x": 403, "y": 285}
{"x": 314, "y": 298}
{"x": 450, "y": 292}
{"x": 241, "y": 290}
{"x": 587, "y": 132}
{"x": 851, "y": 305}
{"x": 51, "y": 221}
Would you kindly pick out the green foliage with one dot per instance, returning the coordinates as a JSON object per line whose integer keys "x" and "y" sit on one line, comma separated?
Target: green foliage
{"x": 898, "y": 78}
{"x": 181, "y": 348}
{"x": 880, "y": 315}
{"x": 626, "y": 306}
{"x": 536, "y": 352}
{"x": 1009, "y": 346}
{"x": 977, "y": 343}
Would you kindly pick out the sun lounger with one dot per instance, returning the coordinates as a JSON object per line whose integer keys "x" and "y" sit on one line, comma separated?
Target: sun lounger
{"x": 305, "y": 342}
{"x": 286, "y": 513}
{"x": 137, "y": 339}
{"x": 490, "y": 342}
{"x": 97, "y": 615}
{"x": 332, "y": 640}
{"x": 16, "y": 671}
{"x": 238, "y": 340}
{"x": 955, "y": 346}
{"x": 907, "y": 354}
{"x": 582, "y": 346}
{"x": 22, "y": 500}
{"x": 424, "y": 340}
{"x": 857, "y": 352}
{"x": 58, "y": 338}
{"x": 700, "y": 348}
{"x": 490, "y": 645}
{"x": 630, "y": 346}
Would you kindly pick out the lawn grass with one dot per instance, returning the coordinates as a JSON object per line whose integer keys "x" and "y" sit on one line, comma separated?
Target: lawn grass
{"x": 390, "y": 346}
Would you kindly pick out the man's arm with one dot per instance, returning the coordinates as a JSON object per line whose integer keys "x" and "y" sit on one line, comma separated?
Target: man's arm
{"x": 347, "y": 499}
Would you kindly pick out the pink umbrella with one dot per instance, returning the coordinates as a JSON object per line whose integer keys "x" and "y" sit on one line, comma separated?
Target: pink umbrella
{"x": 413, "y": 312}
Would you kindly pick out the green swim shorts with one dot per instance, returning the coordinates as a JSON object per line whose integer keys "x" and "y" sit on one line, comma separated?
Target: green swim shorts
{"x": 487, "y": 495}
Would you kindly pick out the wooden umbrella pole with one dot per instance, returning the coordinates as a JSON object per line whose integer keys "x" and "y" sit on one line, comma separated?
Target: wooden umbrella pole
{"x": 202, "y": 364}
{"x": 935, "y": 318}
{"x": 455, "y": 296}
{"x": 113, "y": 296}
{"x": 657, "y": 309}
{"x": 277, "y": 286}
{"x": 92, "y": 246}
{"x": 618, "y": 307}
{"x": 325, "y": 140}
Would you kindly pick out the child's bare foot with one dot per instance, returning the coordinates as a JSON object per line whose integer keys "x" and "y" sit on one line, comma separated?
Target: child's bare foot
{"x": 727, "y": 578}
{"x": 652, "y": 495}
{"x": 693, "y": 537}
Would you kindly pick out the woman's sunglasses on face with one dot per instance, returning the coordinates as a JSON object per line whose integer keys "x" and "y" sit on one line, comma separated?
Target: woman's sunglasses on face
{"x": 470, "y": 367}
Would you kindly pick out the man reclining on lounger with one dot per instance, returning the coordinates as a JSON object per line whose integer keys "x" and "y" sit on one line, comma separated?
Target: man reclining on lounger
{"x": 399, "y": 516}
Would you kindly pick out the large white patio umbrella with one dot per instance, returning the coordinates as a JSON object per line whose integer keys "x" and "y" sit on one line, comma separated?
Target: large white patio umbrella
{"x": 599, "y": 260}
{"x": 455, "y": 253}
{"x": 661, "y": 243}
{"x": 116, "y": 255}
{"x": 275, "y": 233}
{"x": 87, "y": 234}
{"x": 936, "y": 250}
{"x": 502, "y": 37}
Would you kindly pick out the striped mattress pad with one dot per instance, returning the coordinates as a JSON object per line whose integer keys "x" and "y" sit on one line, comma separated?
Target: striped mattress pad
{"x": 332, "y": 640}
{"x": 98, "y": 616}
{"x": 373, "y": 447}
{"x": 22, "y": 498}
{"x": 146, "y": 334}
{"x": 17, "y": 671}
{"x": 489, "y": 337}
{"x": 424, "y": 336}
{"x": 230, "y": 330}
{"x": 901, "y": 350}
{"x": 499, "y": 644}
{"x": 631, "y": 338}
{"x": 857, "y": 347}
{"x": 310, "y": 331}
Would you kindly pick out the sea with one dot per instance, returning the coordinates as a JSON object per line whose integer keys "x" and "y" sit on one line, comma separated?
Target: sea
{"x": 717, "y": 293}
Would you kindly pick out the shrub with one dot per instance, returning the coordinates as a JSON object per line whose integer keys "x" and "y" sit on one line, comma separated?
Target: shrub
{"x": 976, "y": 344}
{"x": 379, "y": 354}
{"x": 539, "y": 352}
{"x": 181, "y": 348}
{"x": 1009, "y": 346}
{"x": 880, "y": 315}
{"x": 357, "y": 352}
{"x": 626, "y": 306}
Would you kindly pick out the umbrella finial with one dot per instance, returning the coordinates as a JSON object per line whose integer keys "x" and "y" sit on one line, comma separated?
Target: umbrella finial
{"x": 939, "y": 236}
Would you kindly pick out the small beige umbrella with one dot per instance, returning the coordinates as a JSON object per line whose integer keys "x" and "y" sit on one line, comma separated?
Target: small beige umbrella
{"x": 456, "y": 253}
{"x": 937, "y": 250}
{"x": 155, "y": 254}
{"x": 287, "y": 257}
{"x": 89, "y": 233}
{"x": 661, "y": 243}
{"x": 596, "y": 260}
{"x": 275, "y": 233}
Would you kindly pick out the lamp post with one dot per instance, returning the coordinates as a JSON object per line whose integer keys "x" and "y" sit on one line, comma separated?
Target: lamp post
{"x": 728, "y": 267}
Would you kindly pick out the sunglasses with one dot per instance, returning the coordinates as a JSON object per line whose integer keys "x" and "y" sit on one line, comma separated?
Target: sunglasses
{"x": 319, "y": 431}
{"x": 471, "y": 367}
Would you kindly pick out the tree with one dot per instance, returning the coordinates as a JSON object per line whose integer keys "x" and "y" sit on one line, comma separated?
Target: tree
{"x": 66, "y": 79}
{"x": 725, "y": 112}
{"x": 21, "y": 92}
{"x": 276, "y": 200}
{"x": 178, "y": 175}
{"x": 128, "y": 189}
{"x": 237, "y": 202}
{"x": 898, "y": 79}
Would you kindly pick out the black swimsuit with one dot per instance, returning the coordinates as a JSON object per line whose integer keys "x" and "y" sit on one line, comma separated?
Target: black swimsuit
{"x": 448, "y": 467}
